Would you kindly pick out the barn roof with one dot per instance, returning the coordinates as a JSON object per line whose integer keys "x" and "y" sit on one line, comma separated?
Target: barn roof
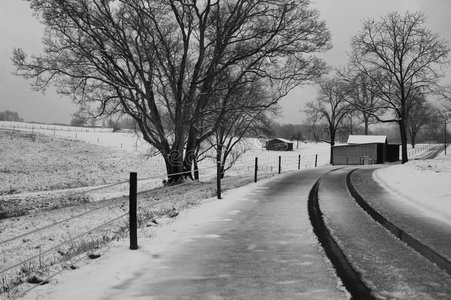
{"x": 283, "y": 140}
{"x": 367, "y": 139}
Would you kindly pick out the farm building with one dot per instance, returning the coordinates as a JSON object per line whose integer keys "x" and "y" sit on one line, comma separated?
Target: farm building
{"x": 279, "y": 144}
{"x": 365, "y": 149}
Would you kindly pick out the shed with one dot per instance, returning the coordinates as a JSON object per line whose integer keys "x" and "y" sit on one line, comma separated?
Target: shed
{"x": 279, "y": 144}
{"x": 365, "y": 149}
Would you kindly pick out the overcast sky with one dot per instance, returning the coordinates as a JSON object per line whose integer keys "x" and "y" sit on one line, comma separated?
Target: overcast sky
{"x": 18, "y": 28}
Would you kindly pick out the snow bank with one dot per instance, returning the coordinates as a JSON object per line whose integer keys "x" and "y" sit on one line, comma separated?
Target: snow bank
{"x": 424, "y": 183}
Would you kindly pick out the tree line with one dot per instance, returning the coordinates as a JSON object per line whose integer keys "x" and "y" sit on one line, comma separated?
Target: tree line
{"x": 11, "y": 116}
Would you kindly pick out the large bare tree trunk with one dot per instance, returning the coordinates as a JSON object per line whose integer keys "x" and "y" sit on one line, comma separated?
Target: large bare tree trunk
{"x": 332, "y": 144}
{"x": 403, "y": 133}
{"x": 174, "y": 169}
{"x": 175, "y": 165}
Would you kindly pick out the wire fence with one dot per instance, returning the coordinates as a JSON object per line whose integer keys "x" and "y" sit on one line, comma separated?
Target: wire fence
{"x": 32, "y": 127}
{"x": 45, "y": 246}
{"x": 43, "y": 252}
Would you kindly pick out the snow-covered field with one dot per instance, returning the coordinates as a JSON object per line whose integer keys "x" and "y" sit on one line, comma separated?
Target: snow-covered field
{"x": 424, "y": 183}
{"x": 130, "y": 146}
{"x": 119, "y": 263}
{"x": 40, "y": 162}
{"x": 43, "y": 167}
{"x": 125, "y": 152}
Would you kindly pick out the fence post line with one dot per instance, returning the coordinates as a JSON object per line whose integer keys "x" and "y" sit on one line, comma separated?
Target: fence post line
{"x": 132, "y": 212}
{"x": 256, "y": 169}
{"x": 316, "y": 160}
{"x": 280, "y": 164}
{"x": 299, "y": 162}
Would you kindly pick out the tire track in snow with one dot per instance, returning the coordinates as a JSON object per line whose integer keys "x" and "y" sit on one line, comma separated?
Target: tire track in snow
{"x": 350, "y": 278}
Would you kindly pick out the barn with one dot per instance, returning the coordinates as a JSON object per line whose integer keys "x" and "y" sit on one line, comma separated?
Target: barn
{"x": 279, "y": 144}
{"x": 365, "y": 149}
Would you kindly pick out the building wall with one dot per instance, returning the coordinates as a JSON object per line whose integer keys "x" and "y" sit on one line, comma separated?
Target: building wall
{"x": 354, "y": 154}
{"x": 278, "y": 145}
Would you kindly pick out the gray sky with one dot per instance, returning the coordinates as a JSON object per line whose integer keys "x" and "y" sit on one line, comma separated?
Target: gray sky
{"x": 18, "y": 28}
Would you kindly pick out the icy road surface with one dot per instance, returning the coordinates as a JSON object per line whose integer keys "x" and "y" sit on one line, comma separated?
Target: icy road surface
{"x": 387, "y": 266}
{"x": 256, "y": 243}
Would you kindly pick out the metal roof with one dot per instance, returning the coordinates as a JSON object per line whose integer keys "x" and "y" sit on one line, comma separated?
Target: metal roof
{"x": 367, "y": 139}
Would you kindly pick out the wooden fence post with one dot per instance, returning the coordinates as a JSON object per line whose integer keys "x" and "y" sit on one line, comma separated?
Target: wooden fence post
{"x": 316, "y": 160}
{"x": 299, "y": 162}
{"x": 256, "y": 169}
{"x": 280, "y": 164}
{"x": 218, "y": 174}
{"x": 132, "y": 212}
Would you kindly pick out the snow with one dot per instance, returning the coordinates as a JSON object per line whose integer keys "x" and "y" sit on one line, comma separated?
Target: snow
{"x": 119, "y": 264}
{"x": 426, "y": 184}
{"x": 43, "y": 164}
{"x": 129, "y": 141}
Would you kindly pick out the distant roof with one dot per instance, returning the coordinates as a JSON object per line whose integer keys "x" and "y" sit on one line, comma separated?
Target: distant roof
{"x": 283, "y": 140}
{"x": 367, "y": 139}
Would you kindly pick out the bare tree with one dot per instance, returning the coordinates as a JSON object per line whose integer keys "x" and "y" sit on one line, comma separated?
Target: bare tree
{"x": 258, "y": 104}
{"x": 406, "y": 57}
{"x": 363, "y": 96}
{"x": 421, "y": 112}
{"x": 350, "y": 124}
{"x": 248, "y": 119}
{"x": 163, "y": 62}
{"x": 330, "y": 107}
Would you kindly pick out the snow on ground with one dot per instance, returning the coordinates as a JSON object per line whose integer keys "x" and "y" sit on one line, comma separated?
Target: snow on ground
{"x": 424, "y": 183}
{"x": 43, "y": 164}
{"x": 120, "y": 263}
{"x": 130, "y": 142}
{"x": 36, "y": 162}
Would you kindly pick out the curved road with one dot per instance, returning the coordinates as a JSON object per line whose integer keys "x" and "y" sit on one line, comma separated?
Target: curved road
{"x": 261, "y": 245}
{"x": 387, "y": 265}
{"x": 261, "y": 248}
